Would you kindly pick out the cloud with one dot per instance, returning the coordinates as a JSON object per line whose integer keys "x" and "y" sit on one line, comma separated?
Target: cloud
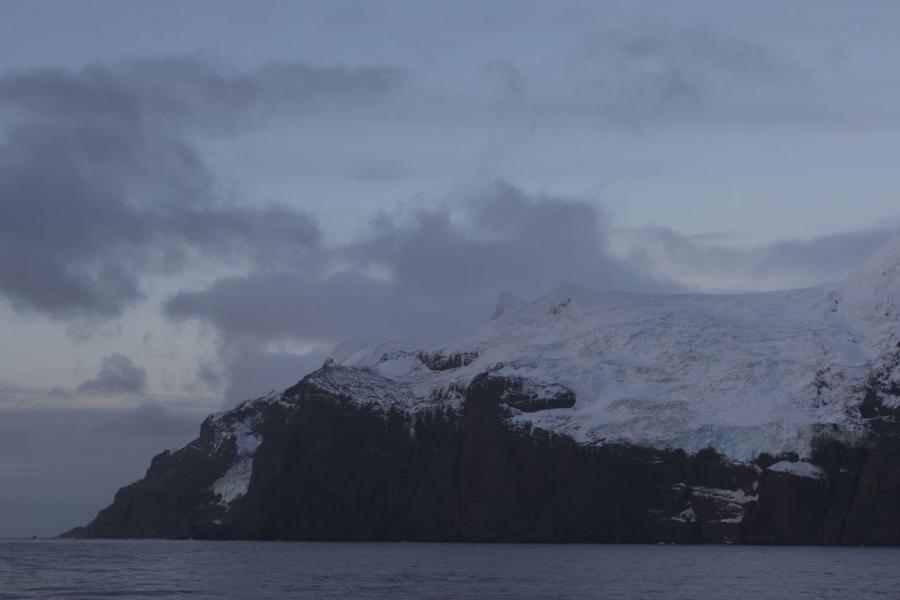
{"x": 715, "y": 267}
{"x": 177, "y": 93}
{"x": 101, "y": 181}
{"x": 59, "y": 465}
{"x": 435, "y": 273}
{"x": 496, "y": 237}
{"x": 117, "y": 375}
{"x": 631, "y": 76}
{"x": 508, "y": 82}
{"x": 152, "y": 420}
{"x": 253, "y": 372}
{"x": 427, "y": 272}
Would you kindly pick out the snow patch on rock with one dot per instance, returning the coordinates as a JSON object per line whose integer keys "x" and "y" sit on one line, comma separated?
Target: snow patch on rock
{"x": 234, "y": 483}
{"x": 363, "y": 386}
{"x": 736, "y": 497}
{"x": 246, "y": 441}
{"x": 236, "y": 480}
{"x": 799, "y": 469}
{"x": 686, "y": 516}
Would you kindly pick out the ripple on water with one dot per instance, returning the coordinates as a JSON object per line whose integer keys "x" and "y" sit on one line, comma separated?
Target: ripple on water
{"x": 280, "y": 570}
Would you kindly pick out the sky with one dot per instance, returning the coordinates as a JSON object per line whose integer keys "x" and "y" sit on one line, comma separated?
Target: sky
{"x": 201, "y": 201}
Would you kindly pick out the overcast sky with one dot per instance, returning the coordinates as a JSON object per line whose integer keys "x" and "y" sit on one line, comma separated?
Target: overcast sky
{"x": 200, "y": 200}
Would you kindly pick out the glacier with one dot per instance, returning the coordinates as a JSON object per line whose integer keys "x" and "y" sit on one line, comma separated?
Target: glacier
{"x": 742, "y": 373}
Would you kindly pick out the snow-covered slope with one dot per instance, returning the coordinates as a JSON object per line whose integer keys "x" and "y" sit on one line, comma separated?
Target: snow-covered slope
{"x": 744, "y": 374}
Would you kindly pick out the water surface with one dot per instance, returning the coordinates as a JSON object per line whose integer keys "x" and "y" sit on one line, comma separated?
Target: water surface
{"x": 279, "y": 570}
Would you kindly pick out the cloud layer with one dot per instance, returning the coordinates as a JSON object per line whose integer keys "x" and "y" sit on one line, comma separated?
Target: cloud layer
{"x": 715, "y": 267}
{"x": 630, "y": 77}
{"x": 101, "y": 180}
{"x": 105, "y": 184}
{"x": 426, "y": 272}
{"x": 117, "y": 375}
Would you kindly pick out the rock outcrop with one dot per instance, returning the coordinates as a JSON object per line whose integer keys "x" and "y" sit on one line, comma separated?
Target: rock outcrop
{"x": 325, "y": 466}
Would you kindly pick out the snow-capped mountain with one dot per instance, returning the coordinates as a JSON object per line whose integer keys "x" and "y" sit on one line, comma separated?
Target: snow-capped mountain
{"x": 744, "y": 374}
{"x": 590, "y": 416}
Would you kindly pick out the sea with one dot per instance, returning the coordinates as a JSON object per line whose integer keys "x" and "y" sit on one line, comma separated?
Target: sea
{"x": 279, "y": 570}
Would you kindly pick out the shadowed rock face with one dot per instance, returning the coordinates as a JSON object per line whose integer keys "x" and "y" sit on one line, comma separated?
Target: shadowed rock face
{"x": 441, "y": 361}
{"x": 330, "y": 468}
{"x": 522, "y": 394}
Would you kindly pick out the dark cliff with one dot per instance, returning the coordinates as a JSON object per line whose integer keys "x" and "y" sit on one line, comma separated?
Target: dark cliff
{"x": 331, "y": 468}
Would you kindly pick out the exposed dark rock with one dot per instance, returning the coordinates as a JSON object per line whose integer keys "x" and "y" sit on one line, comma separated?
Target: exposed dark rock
{"x": 522, "y": 394}
{"x": 173, "y": 500}
{"x": 873, "y": 517}
{"x": 440, "y": 361}
{"x": 330, "y": 468}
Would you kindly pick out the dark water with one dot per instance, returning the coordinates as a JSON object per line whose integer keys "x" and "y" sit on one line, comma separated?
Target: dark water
{"x": 260, "y": 570}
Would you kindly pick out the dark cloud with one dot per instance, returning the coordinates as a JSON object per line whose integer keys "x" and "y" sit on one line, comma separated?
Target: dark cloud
{"x": 496, "y": 237}
{"x": 181, "y": 92}
{"x": 426, "y": 272}
{"x": 253, "y": 372}
{"x": 117, "y": 375}
{"x": 209, "y": 377}
{"x": 101, "y": 182}
{"x": 58, "y": 466}
{"x": 784, "y": 264}
{"x": 630, "y": 76}
{"x": 153, "y": 420}
{"x": 61, "y": 459}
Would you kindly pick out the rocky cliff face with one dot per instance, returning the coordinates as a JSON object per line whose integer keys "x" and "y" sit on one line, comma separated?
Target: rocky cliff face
{"x": 317, "y": 464}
